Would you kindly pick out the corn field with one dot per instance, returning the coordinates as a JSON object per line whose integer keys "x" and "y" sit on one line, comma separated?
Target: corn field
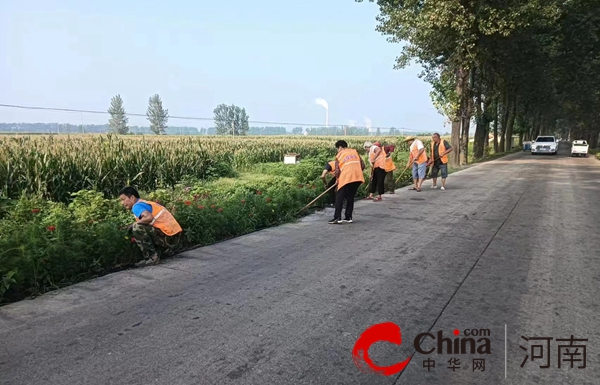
{"x": 56, "y": 166}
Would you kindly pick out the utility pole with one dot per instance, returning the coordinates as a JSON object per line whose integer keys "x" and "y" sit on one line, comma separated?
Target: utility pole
{"x": 232, "y": 128}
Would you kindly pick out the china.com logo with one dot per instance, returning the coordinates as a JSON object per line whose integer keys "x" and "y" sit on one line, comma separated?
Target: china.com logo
{"x": 476, "y": 341}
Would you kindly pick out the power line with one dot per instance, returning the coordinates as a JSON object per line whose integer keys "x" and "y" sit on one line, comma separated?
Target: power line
{"x": 185, "y": 117}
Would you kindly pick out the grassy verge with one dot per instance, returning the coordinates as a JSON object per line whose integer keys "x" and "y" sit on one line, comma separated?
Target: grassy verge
{"x": 46, "y": 245}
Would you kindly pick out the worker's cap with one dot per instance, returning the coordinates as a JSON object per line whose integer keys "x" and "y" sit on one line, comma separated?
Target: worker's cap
{"x": 377, "y": 144}
{"x": 368, "y": 144}
{"x": 409, "y": 138}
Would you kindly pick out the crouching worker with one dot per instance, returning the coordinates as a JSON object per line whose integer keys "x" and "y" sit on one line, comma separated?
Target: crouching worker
{"x": 154, "y": 225}
{"x": 329, "y": 169}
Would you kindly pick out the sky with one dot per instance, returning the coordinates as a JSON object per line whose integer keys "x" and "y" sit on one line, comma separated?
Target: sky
{"x": 274, "y": 58}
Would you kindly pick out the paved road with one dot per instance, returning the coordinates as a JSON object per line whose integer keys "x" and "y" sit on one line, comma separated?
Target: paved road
{"x": 512, "y": 243}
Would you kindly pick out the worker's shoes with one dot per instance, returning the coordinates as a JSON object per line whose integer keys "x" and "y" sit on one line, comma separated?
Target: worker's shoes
{"x": 153, "y": 260}
{"x": 347, "y": 220}
{"x": 335, "y": 221}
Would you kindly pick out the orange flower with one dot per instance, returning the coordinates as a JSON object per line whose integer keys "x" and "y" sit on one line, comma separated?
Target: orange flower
{"x": 212, "y": 206}
{"x": 35, "y": 211}
{"x": 268, "y": 200}
{"x": 243, "y": 201}
{"x": 132, "y": 240}
{"x": 201, "y": 207}
{"x": 51, "y": 228}
{"x": 220, "y": 210}
{"x": 259, "y": 192}
{"x": 187, "y": 203}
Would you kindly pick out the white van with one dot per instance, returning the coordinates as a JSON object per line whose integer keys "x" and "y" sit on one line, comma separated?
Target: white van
{"x": 579, "y": 148}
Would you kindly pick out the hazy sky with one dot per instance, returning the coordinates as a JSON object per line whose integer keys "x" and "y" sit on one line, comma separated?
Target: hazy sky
{"x": 272, "y": 57}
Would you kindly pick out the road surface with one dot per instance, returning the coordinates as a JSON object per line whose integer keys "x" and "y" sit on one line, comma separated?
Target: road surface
{"x": 512, "y": 246}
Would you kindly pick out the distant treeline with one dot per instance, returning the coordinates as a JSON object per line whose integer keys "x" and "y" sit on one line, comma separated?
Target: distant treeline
{"x": 65, "y": 128}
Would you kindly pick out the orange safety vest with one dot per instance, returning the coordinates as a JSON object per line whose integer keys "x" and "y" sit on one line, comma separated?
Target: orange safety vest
{"x": 163, "y": 219}
{"x": 380, "y": 160}
{"x": 414, "y": 151}
{"x": 441, "y": 149}
{"x": 389, "y": 164}
{"x": 350, "y": 169}
{"x": 332, "y": 164}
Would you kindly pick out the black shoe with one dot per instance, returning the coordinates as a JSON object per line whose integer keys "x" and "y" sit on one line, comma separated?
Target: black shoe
{"x": 335, "y": 221}
{"x": 347, "y": 220}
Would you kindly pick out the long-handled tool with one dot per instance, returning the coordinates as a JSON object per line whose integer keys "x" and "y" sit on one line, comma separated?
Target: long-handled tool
{"x": 407, "y": 167}
{"x": 317, "y": 198}
{"x": 431, "y": 167}
{"x": 370, "y": 180}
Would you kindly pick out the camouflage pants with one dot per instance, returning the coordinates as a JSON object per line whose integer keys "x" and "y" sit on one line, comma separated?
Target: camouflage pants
{"x": 147, "y": 237}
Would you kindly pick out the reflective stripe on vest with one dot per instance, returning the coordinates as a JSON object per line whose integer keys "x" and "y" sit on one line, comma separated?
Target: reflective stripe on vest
{"x": 380, "y": 160}
{"x": 414, "y": 151}
{"x": 163, "y": 219}
{"x": 389, "y": 164}
{"x": 441, "y": 149}
{"x": 350, "y": 169}
{"x": 157, "y": 216}
{"x": 332, "y": 164}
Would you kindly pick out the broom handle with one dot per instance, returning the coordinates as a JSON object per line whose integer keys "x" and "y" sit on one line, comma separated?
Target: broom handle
{"x": 404, "y": 171}
{"x": 314, "y": 200}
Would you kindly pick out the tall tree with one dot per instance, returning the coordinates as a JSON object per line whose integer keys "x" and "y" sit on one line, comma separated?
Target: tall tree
{"x": 231, "y": 120}
{"x": 157, "y": 115}
{"x": 118, "y": 119}
{"x": 446, "y": 38}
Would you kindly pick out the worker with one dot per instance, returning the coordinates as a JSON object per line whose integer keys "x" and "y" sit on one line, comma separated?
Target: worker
{"x": 349, "y": 168}
{"x": 154, "y": 225}
{"x": 439, "y": 159}
{"x": 377, "y": 161}
{"x": 329, "y": 169}
{"x": 390, "y": 185}
{"x": 418, "y": 159}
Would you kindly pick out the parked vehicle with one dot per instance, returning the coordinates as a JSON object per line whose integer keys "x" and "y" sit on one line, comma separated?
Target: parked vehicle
{"x": 579, "y": 148}
{"x": 544, "y": 145}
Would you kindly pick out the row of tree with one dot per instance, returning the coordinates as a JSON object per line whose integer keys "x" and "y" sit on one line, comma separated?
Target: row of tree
{"x": 525, "y": 67}
{"x": 156, "y": 115}
{"x": 67, "y": 128}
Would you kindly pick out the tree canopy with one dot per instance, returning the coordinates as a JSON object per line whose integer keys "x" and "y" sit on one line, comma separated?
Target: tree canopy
{"x": 231, "y": 120}
{"x": 157, "y": 115}
{"x": 524, "y": 67}
{"x": 118, "y": 118}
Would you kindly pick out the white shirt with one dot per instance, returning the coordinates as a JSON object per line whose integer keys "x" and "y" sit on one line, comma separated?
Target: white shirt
{"x": 418, "y": 144}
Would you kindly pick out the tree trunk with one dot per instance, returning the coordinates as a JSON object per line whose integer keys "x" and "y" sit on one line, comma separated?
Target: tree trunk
{"x": 531, "y": 130}
{"x": 496, "y": 127}
{"x": 481, "y": 129}
{"x": 511, "y": 122}
{"x": 454, "y": 156}
{"x": 520, "y": 139}
{"x": 504, "y": 122}
{"x": 595, "y": 133}
{"x": 467, "y": 112}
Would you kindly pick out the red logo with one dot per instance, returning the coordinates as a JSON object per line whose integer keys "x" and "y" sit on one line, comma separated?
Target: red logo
{"x": 388, "y": 332}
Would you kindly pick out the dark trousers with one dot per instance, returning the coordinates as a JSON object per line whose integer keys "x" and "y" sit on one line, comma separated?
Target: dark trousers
{"x": 390, "y": 184}
{"x": 378, "y": 181}
{"x": 332, "y": 191}
{"x": 346, "y": 193}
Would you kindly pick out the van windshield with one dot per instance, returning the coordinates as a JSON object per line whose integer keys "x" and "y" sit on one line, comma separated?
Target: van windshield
{"x": 545, "y": 139}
